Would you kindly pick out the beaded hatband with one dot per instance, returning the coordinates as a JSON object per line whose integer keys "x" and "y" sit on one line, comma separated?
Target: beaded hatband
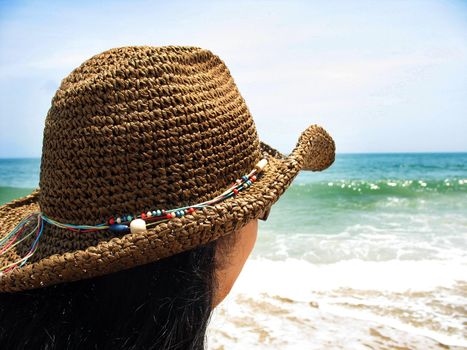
{"x": 117, "y": 224}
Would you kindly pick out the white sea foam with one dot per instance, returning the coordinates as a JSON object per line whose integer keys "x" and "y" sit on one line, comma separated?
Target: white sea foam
{"x": 282, "y": 277}
{"x": 386, "y": 237}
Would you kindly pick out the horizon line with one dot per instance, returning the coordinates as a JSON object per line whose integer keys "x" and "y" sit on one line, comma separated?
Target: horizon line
{"x": 337, "y": 153}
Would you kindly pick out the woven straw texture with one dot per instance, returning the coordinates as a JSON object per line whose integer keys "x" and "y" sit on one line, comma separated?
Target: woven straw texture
{"x": 138, "y": 128}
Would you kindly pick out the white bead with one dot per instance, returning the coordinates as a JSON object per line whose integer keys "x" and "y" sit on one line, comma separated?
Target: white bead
{"x": 138, "y": 226}
{"x": 148, "y": 214}
{"x": 261, "y": 164}
{"x": 119, "y": 220}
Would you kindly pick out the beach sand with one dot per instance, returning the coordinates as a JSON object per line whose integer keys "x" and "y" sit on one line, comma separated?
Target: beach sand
{"x": 274, "y": 322}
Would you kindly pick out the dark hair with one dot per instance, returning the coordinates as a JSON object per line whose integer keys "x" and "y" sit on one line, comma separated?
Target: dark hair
{"x": 163, "y": 305}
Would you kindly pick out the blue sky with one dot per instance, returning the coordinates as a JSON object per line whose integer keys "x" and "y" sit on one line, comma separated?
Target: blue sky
{"x": 380, "y": 76}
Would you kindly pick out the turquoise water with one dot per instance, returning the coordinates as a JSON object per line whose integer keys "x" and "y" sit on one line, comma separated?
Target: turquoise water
{"x": 415, "y": 197}
{"x": 377, "y": 237}
{"x": 18, "y": 177}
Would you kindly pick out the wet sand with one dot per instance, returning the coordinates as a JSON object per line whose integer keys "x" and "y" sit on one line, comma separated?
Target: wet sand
{"x": 274, "y": 322}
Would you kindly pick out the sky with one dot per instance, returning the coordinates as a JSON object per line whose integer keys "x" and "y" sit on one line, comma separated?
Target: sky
{"x": 379, "y": 76}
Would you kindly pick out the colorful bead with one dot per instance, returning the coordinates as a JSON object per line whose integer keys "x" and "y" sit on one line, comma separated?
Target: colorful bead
{"x": 235, "y": 191}
{"x": 138, "y": 226}
{"x": 111, "y": 221}
{"x": 143, "y": 215}
{"x": 244, "y": 177}
{"x": 117, "y": 228}
{"x": 253, "y": 178}
{"x": 129, "y": 218}
{"x": 154, "y": 213}
{"x": 191, "y": 210}
{"x": 159, "y": 213}
{"x": 169, "y": 216}
{"x": 249, "y": 183}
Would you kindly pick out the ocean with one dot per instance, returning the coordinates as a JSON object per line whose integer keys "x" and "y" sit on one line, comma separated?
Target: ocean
{"x": 371, "y": 253}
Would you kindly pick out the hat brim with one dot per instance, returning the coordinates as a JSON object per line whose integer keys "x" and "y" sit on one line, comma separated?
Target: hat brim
{"x": 314, "y": 151}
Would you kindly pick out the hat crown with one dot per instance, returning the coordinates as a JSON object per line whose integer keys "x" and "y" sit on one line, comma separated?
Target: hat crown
{"x": 139, "y": 128}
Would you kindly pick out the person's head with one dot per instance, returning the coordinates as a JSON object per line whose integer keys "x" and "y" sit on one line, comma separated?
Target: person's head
{"x": 152, "y": 182}
{"x": 162, "y": 305}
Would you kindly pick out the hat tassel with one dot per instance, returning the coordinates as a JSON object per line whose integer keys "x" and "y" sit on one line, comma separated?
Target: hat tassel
{"x": 19, "y": 234}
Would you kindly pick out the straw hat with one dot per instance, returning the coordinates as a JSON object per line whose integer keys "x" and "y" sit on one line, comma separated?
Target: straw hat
{"x": 132, "y": 133}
